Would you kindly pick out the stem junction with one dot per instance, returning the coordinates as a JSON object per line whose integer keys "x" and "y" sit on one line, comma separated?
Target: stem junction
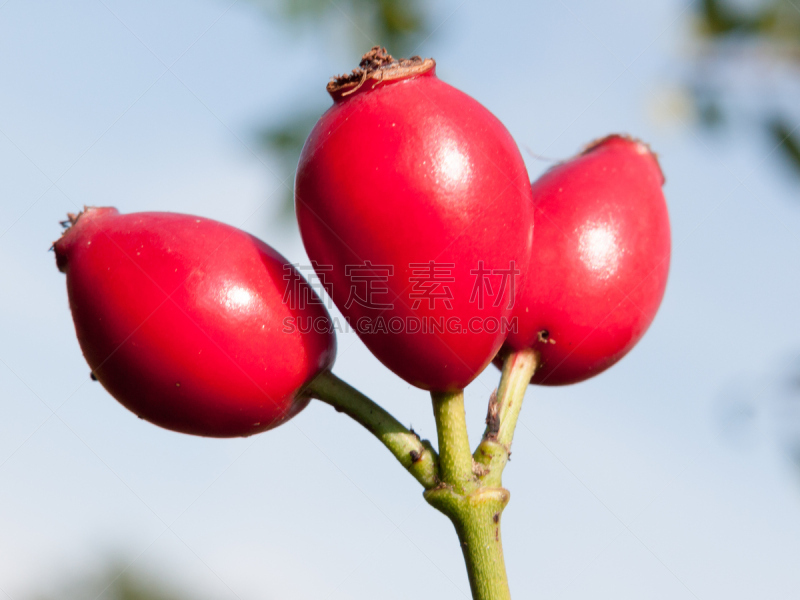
{"x": 465, "y": 486}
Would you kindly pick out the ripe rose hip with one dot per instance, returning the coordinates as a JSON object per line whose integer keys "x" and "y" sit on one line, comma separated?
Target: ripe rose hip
{"x": 414, "y": 202}
{"x": 599, "y": 262}
{"x": 182, "y": 320}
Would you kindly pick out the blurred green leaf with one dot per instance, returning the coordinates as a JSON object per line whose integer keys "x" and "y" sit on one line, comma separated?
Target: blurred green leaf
{"x": 768, "y": 20}
{"x": 400, "y": 25}
{"x": 284, "y": 141}
{"x": 290, "y": 135}
{"x": 786, "y": 135}
{"x": 721, "y": 18}
{"x": 710, "y": 112}
{"x": 115, "y": 582}
{"x": 718, "y": 19}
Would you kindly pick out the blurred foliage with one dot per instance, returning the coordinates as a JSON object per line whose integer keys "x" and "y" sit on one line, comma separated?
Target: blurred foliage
{"x": 783, "y": 132}
{"x": 723, "y": 18}
{"x": 747, "y": 75}
{"x": 399, "y": 25}
{"x": 114, "y": 582}
{"x": 396, "y": 24}
{"x": 284, "y": 142}
{"x": 752, "y": 42}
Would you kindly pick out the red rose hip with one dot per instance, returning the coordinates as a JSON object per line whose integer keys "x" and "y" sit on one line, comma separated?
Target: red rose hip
{"x": 414, "y": 202}
{"x": 189, "y": 322}
{"x": 599, "y": 263}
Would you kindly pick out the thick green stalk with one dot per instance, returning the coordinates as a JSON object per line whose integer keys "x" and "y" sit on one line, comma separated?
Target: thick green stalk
{"x": 476, "y": 518}
{"x": 416, "y": 455}
{"x": 474, "y": 510}
{"x": 471, "y": 492}
{"x": 455, "y": 457}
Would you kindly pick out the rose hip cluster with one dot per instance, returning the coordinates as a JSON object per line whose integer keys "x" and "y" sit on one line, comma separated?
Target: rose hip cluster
{"x": 417, "y": 213}
{"x": 182, "y": 319}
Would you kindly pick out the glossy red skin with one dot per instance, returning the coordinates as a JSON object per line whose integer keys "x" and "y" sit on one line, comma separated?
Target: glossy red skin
{"x": 407, "y": 172}
{"x": 181, "y": 319}
{"x": 599, "y": 264}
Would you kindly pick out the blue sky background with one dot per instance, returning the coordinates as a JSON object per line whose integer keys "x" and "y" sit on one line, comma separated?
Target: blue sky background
{"x": 627, "y": 486}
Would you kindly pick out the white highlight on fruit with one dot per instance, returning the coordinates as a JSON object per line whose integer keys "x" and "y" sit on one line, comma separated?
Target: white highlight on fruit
{"x": 236, "y": 297}
{"x": 599, "y": 248}
{"x": 453, "y": 166}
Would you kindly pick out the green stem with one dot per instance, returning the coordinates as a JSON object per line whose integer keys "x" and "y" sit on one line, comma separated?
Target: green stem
{"x": 476, "y": 518}
{"x": 416, "y": 455}
{"x": 471, "y": 492}
{"x": 474, "y": 510}
{"x": 518, "y": 369}
{"x": 501, "y": 421}
{"x": 455, "y": 457}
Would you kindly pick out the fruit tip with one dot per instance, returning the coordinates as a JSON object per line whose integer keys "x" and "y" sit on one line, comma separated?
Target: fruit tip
{"x": 640, "y": 147}
{"x": 69, "y": 224}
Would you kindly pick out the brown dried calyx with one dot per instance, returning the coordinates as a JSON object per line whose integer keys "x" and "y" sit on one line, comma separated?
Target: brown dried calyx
{"x": 379, "y": 65}
{"x": 72, "y": 218}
